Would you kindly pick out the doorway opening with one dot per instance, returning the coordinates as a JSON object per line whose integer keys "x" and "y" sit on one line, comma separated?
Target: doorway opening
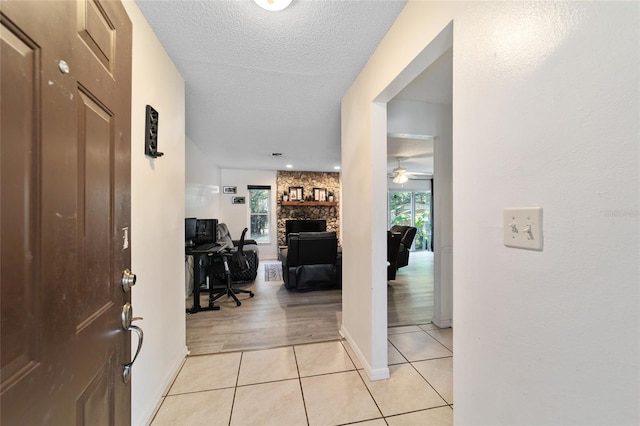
{"x": 419, "y": 115}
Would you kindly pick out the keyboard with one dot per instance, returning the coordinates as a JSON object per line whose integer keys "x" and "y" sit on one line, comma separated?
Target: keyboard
{"x": 207, "y": 247}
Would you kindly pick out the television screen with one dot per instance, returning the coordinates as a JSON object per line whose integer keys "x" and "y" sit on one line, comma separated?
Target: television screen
{"x": 189, "y": 231}
{"x": 295, "y": 226}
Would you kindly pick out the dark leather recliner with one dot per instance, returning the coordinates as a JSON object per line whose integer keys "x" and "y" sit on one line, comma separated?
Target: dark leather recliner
{"x": 408, "y": 233}
{"x": 311, "y": 262}
{"x": 393, "y": 246}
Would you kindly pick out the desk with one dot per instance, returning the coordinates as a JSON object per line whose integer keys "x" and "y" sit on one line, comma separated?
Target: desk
{"x": 197, "y": 253}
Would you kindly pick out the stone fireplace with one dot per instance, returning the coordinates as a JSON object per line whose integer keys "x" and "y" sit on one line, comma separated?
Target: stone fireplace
{"x": 301, "y": 210}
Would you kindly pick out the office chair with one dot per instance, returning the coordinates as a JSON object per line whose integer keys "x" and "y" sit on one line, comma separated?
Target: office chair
{"x": 233, "y": 259}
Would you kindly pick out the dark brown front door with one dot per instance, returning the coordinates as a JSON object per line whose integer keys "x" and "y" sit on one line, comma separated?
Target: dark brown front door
{"x": 65, "y": 207}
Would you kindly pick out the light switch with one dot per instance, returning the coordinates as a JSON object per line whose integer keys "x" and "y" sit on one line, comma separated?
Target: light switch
{"x": 522, "y": 227}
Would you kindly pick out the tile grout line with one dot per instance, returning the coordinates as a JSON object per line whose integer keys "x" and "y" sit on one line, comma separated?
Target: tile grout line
{"x": 232, "y": 351}
{"x": 440, "y": 343}
{"x": 304, "y": 403}
{"x": 420, "y": 374}
{"x": 164, "y": 398}
{"x": 342, "y": 342}
{"x": 429, "y": 383}
{"x": 434, "y": 338}
{"x": 416, "y": 411}
{"x": 199, "y": 391}
{"x": 371, "y": 395}
{"x": 399, "y": 351}
{"x": 443, "y": 357}
{"x": 235, "y": 388}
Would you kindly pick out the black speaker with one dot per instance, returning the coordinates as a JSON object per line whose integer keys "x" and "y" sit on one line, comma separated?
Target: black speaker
{"x": 151, "y": 134}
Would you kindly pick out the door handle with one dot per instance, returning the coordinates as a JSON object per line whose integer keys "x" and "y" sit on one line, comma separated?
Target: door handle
{"x": 127, "y": 319}
{"x": 126, "y": 373}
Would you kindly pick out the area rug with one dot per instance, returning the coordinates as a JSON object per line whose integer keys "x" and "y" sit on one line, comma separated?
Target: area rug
{"x": 273, "y": 272}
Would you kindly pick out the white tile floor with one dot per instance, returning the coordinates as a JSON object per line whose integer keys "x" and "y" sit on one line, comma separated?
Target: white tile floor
{"x": 317, "y": 384}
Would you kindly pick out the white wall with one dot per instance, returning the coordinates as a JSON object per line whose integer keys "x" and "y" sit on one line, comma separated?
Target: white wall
{"x": 545, "y": 113}
{"x": 236, "y": 216}
{"x": 414, "y": 117}
{"x": 157, "y": 220}
{"x": 202, "y": 183}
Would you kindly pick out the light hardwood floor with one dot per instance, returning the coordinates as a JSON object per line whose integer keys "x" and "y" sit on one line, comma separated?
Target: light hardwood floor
{"x": 276, "y": 317}
{"x": 410, "y": 295}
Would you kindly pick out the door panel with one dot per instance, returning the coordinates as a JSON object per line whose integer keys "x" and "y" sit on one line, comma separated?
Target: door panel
{"x": 65, "y": 188}
{"x": 18, "y": 204}
{"x": 95, "y": 405}
{"x": 97, "y": 31}
{"x": 96, "y": 130}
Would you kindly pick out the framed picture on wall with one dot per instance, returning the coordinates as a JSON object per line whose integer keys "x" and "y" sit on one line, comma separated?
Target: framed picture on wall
{"x": 237, "y": 200}
{"x": 229, "y": 189}
{"x": 296, "y": 193}
{"x": 319, "y": 194}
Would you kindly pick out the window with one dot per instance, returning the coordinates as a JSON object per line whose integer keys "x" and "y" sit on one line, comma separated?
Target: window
{"x": 422, "y": 220}
{"x": 413, "y": 209}
{"x": 260, "y": 202}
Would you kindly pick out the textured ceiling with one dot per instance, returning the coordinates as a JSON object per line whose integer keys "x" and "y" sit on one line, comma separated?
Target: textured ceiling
{"x": 259, "y": 82}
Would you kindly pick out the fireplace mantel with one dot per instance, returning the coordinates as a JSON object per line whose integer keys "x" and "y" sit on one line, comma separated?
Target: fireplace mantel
{"x": 310, "y": 203}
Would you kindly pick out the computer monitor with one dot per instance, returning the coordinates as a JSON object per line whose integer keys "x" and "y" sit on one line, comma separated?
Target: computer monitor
{"x": 190, "y": 231}
{"x": 206, "y": 231}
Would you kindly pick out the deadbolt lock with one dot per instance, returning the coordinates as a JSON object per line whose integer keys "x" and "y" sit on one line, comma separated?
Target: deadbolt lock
{"x": 128, "y": 280}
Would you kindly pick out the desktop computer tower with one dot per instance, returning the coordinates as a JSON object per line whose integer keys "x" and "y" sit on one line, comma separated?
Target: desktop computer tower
{"x": 206, "y": 231}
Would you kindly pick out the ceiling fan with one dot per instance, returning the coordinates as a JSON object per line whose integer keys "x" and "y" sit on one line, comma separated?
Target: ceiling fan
{"x": 402, "y": 175}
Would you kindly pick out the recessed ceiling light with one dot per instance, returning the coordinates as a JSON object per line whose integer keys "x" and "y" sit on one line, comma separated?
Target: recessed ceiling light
{"x": 288, "y": 166}
{"x": 336, "y": 167}
{"x": 273, "y": 5}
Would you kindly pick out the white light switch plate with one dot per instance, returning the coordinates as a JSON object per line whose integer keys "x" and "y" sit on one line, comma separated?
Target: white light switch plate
{"x": 523, "y": 227}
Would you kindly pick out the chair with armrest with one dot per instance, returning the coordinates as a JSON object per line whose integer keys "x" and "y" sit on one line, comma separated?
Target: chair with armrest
{"x": 393, "y": 248}
{"x": 310, "y": 261}
{"x": 250, "y": 248}
{"x": 225, "y": 234}
{"x": 408, "y": 233}
{"x": 234, "y": 259}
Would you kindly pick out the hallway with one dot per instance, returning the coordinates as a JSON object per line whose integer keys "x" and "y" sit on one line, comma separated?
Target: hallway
{"x": 317, "y": 384}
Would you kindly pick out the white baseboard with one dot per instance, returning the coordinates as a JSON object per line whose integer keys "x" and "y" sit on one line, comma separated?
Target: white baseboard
{"x": 378, "y": 374}
{"x": 441, "y": 323}
{"x": 148, "y": 415}
{"x": 374, "y": 374}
